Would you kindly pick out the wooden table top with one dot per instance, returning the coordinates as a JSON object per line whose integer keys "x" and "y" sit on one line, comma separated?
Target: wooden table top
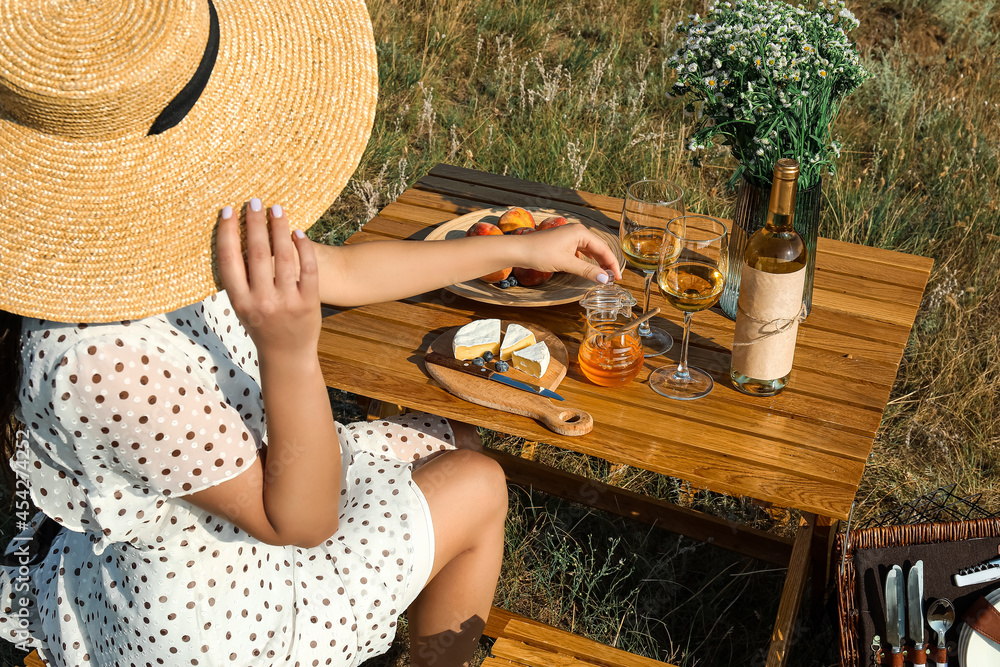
{"x": 805, "y": 448}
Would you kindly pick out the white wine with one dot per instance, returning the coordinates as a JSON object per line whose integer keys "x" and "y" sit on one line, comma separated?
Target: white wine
{"x": 771, "y": 285}
{"x": 642, "y": 248}
{"x": 691, "y": 286}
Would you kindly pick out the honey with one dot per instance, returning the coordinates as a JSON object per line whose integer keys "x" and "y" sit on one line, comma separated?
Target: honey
{"x": 610, "y": 362}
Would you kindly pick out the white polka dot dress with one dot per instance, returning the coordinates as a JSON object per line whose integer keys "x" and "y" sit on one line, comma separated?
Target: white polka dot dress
{"x": 124, "y": 420}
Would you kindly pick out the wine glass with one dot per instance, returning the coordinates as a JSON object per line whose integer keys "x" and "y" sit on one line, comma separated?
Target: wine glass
{"x": 692, "y": 273}
{"x": 649, "y": 205}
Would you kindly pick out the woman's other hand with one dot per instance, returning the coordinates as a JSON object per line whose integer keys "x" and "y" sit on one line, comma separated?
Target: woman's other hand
{"x": 275, "y": 291}
{"x": 561, "y": 249}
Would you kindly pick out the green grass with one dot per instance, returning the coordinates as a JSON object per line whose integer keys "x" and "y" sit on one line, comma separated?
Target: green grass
{"x": 572, "y": 93}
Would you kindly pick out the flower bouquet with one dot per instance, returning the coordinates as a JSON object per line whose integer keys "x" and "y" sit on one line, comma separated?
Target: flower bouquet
{"x": 770, "y": 79}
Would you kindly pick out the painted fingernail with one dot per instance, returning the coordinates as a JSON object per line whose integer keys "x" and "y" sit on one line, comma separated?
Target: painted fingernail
{"x": 602, "y": 278}
{"x": 299, "y": 234}
{"x": 276, "y": 211}
{"x": 227, "y": 212}
{"x": 255, "y": 204}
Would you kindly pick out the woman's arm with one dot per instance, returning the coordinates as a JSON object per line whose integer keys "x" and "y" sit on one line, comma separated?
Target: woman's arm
{"x": 378, "y": 271}
{"x": 293, "y": 497}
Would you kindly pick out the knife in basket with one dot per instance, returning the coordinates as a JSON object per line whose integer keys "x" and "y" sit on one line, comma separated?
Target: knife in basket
{"x": 915, "y": 611}
{"x": 895, "y": 614}
{"x": 485, "y": 373}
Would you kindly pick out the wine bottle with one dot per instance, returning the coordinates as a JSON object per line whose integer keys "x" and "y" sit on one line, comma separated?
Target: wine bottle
{"x": 771, "y": 283}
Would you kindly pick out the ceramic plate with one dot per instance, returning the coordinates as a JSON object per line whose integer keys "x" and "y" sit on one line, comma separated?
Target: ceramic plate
{"x": 560, "y": 288}
{"x": 974, "y": 650}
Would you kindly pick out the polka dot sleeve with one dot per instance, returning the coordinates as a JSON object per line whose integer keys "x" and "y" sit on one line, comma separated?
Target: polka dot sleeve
{"x": 148, "y": 414}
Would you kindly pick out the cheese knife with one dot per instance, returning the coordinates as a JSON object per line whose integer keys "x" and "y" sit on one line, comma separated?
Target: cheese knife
{"x": 915, "y": 611}
{"x": 895, "y": 614}
{"x": 487, "y": 374}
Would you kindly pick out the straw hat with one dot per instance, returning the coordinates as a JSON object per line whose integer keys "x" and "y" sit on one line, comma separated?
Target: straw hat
{"x": 111, "y": 182}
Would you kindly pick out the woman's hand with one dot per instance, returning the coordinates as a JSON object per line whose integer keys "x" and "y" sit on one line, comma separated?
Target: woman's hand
{"x": 275, "y": 297}
{"x": 561, "y": 248}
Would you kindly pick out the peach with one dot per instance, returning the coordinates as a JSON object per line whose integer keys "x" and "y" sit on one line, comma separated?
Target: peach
{"x": 552, "y": 221}
{"x": 515, "y": 218}
{"x": 529, "y": 277}
{"x": 488, "y": 229}
{"x": 483, "y": 229}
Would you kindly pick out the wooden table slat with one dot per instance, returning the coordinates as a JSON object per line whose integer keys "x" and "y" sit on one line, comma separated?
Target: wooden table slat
{"x": 516, "y": 185}
{"x": 835, "y": 252}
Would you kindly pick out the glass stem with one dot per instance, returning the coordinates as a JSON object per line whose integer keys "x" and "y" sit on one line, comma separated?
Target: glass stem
{"x": 643, "y": 329}
{"x": 682, "y": 366}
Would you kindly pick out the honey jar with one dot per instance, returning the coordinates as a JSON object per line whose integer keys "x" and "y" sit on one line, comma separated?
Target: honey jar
{"x": 607, "y": 360}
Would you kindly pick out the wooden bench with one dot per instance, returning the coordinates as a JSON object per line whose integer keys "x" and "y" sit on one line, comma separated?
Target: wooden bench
{"x": 522, "y": 642}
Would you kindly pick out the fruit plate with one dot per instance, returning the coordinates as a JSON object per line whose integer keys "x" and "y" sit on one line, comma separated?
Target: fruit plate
{"x": 560, "y": 288}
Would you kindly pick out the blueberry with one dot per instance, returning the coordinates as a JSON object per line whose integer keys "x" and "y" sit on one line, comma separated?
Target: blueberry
{"x": 503, "y": 284}
{"x": 512, "y": 281}
{"x": 479, "y": 361}
{"x": 487, "y": 356}
{"x": 501, "y": 366}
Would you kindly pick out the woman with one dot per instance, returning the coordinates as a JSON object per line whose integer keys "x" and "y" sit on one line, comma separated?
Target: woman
{"x": 146, "y": 341}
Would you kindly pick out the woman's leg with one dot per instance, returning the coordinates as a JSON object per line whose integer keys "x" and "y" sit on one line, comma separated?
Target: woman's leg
{"x": 467, "y": 494}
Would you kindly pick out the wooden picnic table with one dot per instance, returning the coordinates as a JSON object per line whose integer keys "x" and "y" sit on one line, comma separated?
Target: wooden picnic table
{"x": 805, "y": 448}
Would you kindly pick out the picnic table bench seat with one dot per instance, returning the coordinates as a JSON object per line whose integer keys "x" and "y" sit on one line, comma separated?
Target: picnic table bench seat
{"x": 523, "y": 642}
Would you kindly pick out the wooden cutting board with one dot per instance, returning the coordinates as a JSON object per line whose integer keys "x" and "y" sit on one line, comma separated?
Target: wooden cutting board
{"x": 552, "y": 413}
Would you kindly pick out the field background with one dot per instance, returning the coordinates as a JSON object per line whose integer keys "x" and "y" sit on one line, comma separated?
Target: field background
{"x": 574, "y": 93}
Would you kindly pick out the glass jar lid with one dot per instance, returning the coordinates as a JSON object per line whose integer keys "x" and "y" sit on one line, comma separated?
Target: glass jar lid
{"x": 608, "y": 301}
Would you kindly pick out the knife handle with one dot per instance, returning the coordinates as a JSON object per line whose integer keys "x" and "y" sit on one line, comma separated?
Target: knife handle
{"x": 454, "y": 364}
{"x": 897, "y": 659}
{"x": 939, "y": 654}
{"x": 917, "y": 655}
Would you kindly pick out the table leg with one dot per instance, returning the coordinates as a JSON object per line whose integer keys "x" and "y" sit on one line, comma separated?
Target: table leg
{"x": 379, "y": 410}
{"x": 791, "y": 594}
{"x": 822, "y": 554}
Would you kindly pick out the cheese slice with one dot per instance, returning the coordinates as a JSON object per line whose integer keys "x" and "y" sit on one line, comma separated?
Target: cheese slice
{"x": 533, "y": 360}
{"x": 515, "y": 338}
{"x": 476, "y": 338}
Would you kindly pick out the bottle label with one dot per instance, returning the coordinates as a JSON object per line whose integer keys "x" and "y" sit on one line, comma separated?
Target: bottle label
{"x": 767, "y": 322}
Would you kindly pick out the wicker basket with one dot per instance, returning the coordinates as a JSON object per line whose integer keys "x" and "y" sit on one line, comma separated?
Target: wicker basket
{"x": 977, "y": 539}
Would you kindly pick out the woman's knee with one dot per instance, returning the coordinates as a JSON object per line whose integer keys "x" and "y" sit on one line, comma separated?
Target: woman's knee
{"x": 466, "y": 477}
{"x": 490, "y": 478}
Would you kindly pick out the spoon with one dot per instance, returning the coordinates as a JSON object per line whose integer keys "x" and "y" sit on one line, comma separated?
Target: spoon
{"x": 633, "y": 324}
{"x": 941, "y": 616}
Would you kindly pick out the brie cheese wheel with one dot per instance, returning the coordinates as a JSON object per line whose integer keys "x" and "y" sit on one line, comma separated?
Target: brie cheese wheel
{"x": 533, "y": 360}
{"x": 476, "y": 338}
{"x": 515, "y": 338}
